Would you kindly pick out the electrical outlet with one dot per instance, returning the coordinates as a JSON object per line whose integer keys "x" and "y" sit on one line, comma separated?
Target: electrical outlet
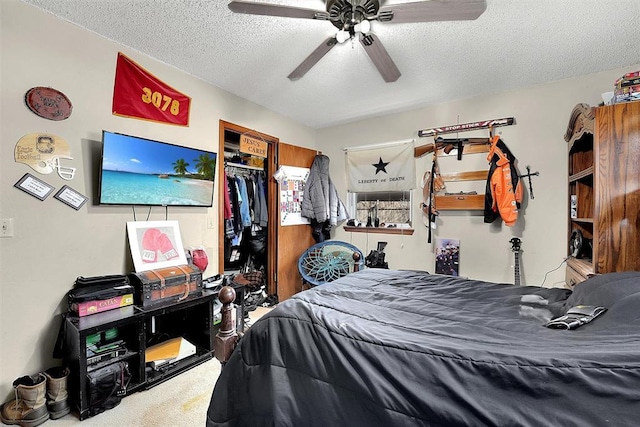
{"x": 6, "y": 227}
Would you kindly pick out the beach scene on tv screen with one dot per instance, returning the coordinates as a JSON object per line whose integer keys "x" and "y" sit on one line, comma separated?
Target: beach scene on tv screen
{"x": 137, "y": 171}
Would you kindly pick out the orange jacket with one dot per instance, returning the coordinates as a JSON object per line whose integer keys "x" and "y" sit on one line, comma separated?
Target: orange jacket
{"x": 504, "y": 191}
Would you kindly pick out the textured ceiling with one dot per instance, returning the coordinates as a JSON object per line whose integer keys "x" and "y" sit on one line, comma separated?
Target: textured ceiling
{"x": 515, "y": 43}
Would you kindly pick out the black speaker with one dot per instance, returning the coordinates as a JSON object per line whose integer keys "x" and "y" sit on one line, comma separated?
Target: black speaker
{"x": 579, "y": 247}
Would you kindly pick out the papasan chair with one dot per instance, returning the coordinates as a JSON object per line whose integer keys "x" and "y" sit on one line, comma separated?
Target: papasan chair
{"x": 329, "y": 260}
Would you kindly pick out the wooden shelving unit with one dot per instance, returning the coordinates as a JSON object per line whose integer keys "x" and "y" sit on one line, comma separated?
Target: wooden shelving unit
{"x": 604, "y": 177}
{"x": 192, "y": 319}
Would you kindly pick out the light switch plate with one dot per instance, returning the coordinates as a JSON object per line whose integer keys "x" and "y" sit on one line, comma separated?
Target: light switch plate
{"x": 6, "y": 227}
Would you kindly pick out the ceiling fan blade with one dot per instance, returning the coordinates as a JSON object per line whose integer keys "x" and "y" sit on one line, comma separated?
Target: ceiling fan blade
{"x": 254, "y": 8}
{"x": 313, "y": 59}
{"x": 380, "y": 57}
{"x": 432, "y": 11}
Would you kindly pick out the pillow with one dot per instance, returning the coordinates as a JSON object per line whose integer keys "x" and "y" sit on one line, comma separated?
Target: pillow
{"x": 604, "y": 290}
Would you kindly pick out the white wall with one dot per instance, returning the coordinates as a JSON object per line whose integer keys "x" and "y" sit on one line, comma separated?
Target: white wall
{"x": 53, "y": 243}
{"x": 542, "y": 114}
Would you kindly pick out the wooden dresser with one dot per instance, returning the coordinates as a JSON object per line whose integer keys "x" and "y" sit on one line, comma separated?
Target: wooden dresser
{"x": 604, "y": 183}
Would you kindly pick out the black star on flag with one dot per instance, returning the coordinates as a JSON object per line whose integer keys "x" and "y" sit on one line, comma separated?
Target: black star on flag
{"x": 380, "y": 166}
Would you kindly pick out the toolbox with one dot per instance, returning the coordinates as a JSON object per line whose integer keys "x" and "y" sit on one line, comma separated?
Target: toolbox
{"x": 164, "y": 286}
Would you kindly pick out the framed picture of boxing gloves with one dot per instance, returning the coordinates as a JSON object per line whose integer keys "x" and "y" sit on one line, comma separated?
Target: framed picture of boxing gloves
{"x": 155, "y": 244}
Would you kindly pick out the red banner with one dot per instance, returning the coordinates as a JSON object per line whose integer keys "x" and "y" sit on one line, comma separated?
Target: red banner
{"x": 139, "y": 94}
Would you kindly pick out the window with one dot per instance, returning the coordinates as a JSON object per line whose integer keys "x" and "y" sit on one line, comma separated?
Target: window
{"x": 379, "y": 181}
{"x": 393, "y": 208}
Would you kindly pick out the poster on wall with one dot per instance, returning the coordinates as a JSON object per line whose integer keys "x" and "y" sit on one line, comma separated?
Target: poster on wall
{"x": 291, "y": 181}
{"x": 448, "y": 257}
{"x": 139, "y": 94}
{"x": 155, "y": 244}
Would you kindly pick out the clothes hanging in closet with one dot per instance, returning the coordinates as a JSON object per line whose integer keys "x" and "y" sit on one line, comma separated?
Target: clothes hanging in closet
{"x": 243, "y": 198}
{"x": 245, "y": 229}
{"x": 261, "y": 213}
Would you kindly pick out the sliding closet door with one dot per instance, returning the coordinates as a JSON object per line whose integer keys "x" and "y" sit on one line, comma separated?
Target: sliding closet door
{"x": 292, "y": 240}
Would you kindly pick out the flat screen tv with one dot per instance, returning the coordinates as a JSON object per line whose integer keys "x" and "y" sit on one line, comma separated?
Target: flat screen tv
{"x": 139, "y": 171}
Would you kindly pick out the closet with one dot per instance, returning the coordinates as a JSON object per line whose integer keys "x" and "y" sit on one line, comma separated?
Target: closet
{"x": 275, "y": 250}
{"x": 245, "y": 219}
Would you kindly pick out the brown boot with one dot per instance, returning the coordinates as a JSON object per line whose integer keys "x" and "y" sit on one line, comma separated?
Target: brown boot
{"x": 57, "y": 392}
{"x": 28, "y": 408}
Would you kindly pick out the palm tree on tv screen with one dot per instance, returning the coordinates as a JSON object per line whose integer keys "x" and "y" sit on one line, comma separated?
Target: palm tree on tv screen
{"x": 205, "y": 165}
{"x": 180, "y": 166}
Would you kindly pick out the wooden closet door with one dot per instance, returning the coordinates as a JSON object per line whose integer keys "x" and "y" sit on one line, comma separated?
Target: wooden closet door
{"x": 292, "y": 240}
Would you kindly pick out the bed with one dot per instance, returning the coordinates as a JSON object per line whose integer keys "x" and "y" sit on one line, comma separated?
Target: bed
{"x": 408, "y": 348}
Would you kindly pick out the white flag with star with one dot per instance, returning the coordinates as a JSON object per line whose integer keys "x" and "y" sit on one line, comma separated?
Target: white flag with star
{"x": 388, "y": 168}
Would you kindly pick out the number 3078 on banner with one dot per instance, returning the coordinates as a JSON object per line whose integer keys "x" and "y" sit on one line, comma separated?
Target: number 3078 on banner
{"x": 160, "y": 101}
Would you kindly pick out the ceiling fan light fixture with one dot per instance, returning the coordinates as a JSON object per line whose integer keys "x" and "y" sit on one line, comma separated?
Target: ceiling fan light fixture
{"x": 363, "y": 27}
{"x": 342, "y": 36}
{"x": 352, "y": 19}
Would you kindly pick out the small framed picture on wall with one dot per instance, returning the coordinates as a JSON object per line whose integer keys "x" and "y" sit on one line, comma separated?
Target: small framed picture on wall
{"x": 155, "y": 244}
{"x": 71, "y": 197}
{"x": 34, "y": 186}
{"x": 448, "y": 257}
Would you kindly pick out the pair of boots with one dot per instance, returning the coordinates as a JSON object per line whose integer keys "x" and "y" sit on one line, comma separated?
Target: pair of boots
{"x": 38, "y": 398}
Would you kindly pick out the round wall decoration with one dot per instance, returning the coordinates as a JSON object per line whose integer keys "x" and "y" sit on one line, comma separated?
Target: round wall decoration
{"x": 48, "y": 103}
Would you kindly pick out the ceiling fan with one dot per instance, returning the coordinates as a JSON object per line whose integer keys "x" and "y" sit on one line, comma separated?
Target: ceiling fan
{"x": 353, "y": 19}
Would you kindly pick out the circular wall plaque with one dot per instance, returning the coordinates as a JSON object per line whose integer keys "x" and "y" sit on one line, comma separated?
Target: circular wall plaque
{"x": 48, "y": 103}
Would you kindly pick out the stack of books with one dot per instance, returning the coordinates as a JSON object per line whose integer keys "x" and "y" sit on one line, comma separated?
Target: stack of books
{"x": 627, "y": 88}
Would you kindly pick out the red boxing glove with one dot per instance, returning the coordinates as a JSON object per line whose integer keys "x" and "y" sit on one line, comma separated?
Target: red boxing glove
{"x": 166, "y": 247}
{"x": 200, "y": 259}
{"x": 150, "y": 245}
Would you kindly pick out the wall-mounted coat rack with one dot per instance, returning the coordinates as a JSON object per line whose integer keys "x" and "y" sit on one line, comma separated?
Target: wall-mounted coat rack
{"x": 460, "y": 201}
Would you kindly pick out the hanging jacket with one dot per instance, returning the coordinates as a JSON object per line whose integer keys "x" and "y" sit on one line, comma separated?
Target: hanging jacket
{"x": 261, "y": 213}
{"x": 320, "y": 200}
{"x": 248, "y": 181}
{"x": 245, "y": 212}
{"x": 504, "y": 190}
{"x": 235, "y": 205}
{"x": 228, "y": 213}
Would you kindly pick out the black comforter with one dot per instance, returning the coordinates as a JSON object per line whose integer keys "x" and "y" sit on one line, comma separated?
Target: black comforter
{"x": 395, "y": 348}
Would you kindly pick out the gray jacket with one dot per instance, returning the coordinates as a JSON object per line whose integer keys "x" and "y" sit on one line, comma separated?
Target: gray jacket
{"x": 320, "y": 200}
